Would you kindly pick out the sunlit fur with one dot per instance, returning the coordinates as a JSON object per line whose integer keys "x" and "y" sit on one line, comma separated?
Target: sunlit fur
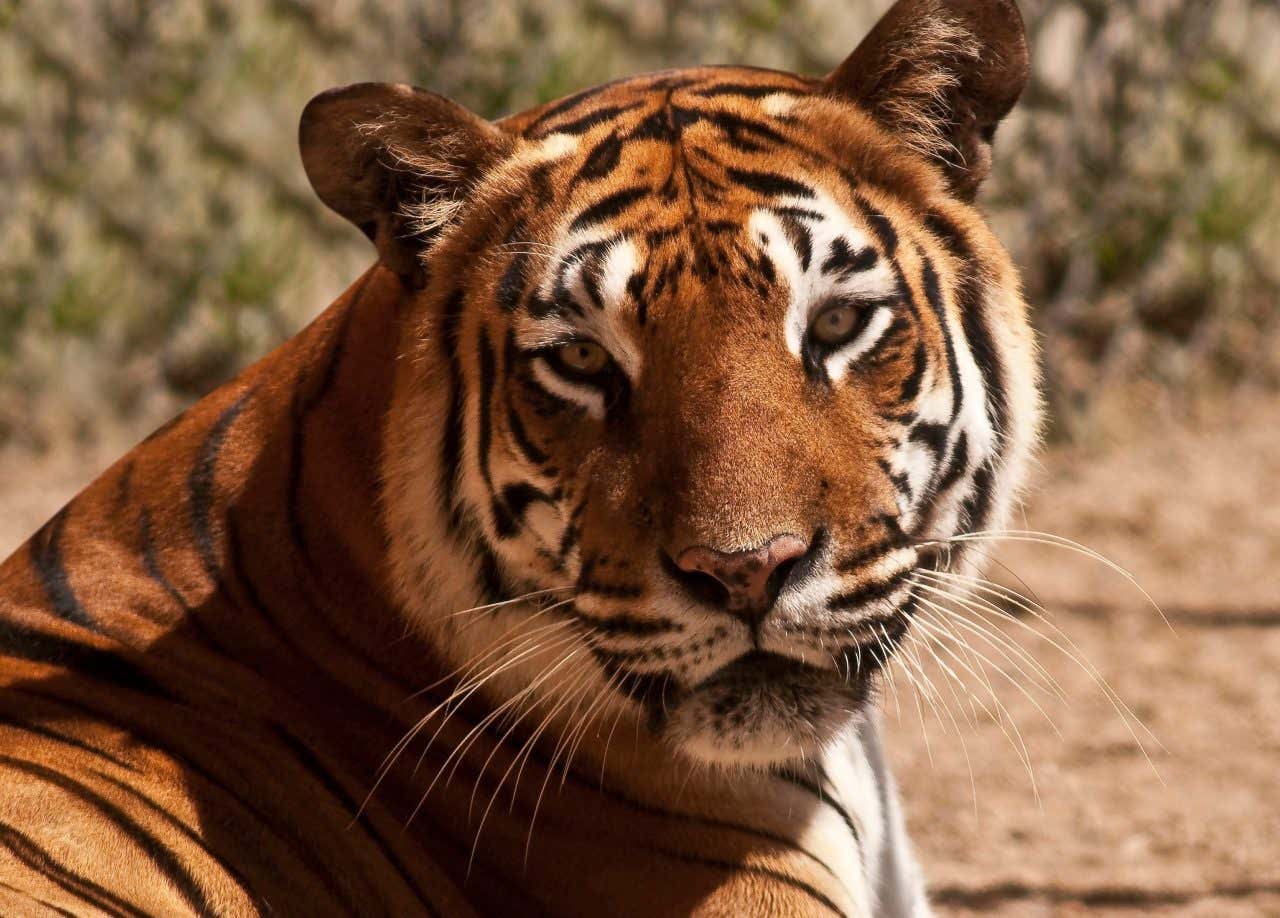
{"x": 384, "y": 626}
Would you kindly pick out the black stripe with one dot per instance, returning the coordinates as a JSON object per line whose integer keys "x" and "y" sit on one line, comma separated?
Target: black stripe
{"x": 451, "y": 441}
{"x": 512, "y": 283}
{"x": 286, "y": 830}
{"x": 731, "y": 867}
{"x": 900, "y": 480}
{"x": 151, "y": 564}
{"x": 301, "y": 409}
{"x": 503, "y": 523}
{"x": 191, "y": 836}
{"x": 627, "y": 624}
{"x": 817, "y": 791}
{"x": 567, "y": 104}
{"x": 602, "y": 160}
{"x": 46, "y": 558}
{"x": 592, "y": 119}
{"x": 747, "y": 90}
{"x": 798, "y": 213}
{"x": 911, "y": 385}
{"x": 610, "y": 590}
{"x": 635, "y": 287}
{"x": 977, "y": 506}
{"x": 933, "y": 294}
{"x": 957, "y": 463}
{"x": 159, "y": 854}
{"x": 492, "y": 583}
{"x": 124, "y": 487}
{"x": 737, "y": 129}
{"x": 308, "y": 760}
{"x": 869, "y": 592}
{"x": 522, "y": 441}
{"x": 43, "y": 903}
{"x": 973, "y": 321}
{"x": 519, "y": 495}
{"x": 24, "y": 644}
{"x": 800, "y": 238}
{"x": 931, "y": 436}
{"x": 608, "y": 207}
{"x": 844, "y": 261}
{"x": 658, "y": 125}
{"x": 880, "y": 225}
{"x": 47, "y": 733}
{"x": 871, "y": 552}
{"x": 200, "y": 486}
{"x": 769, "y": 183}
{"x": 28, "y": 852}
{"x": 589, "y": 259}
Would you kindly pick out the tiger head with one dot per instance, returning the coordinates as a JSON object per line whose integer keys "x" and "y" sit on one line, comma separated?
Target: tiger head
{"x": 700, "y": 369}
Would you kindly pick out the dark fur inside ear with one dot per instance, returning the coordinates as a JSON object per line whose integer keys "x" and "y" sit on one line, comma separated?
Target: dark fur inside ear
{"x": 397, "y": 162}
{"x": 941, "y": 74}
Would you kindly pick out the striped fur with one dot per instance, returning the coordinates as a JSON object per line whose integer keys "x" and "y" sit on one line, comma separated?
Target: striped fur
{"x": 411, "y": 521}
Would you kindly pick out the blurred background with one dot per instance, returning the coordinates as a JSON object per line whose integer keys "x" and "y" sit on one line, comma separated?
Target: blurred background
{"x": 157, "y": 233}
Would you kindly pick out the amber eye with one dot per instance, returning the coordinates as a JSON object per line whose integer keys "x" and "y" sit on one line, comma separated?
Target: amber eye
{"x": 835, "y": 325}
{"x": 583, "y": 358}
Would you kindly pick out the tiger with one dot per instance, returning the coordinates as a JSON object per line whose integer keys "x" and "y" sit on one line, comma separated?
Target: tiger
{"x": 556, "y": 567}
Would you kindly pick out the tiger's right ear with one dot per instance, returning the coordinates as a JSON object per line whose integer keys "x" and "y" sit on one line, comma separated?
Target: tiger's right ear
{"x": 397, "y": 161}
{"x": 941, "y": 74}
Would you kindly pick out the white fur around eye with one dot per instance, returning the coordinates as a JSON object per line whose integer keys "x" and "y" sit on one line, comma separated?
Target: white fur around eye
{"x": 839, "y": 361}
{"x": 809, "y": 288}
{"x": 584, "y": 395}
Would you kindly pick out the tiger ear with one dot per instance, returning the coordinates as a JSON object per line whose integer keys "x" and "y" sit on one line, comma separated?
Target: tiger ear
{"x": 397, "y": 161}
{"x": 941, "y": 74}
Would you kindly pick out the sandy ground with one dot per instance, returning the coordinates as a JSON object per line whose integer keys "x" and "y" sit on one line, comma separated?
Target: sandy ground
{"x": 1194, "y": 512}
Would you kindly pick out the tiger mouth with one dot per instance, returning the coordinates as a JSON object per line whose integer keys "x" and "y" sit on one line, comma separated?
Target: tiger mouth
{"x": 756, "y": 667}
{"x": 762, "y": 709}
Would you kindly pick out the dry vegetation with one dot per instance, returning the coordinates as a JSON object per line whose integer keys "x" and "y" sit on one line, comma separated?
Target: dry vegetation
{"x": 156, "y": 230}
{"x": 156, "y": 233}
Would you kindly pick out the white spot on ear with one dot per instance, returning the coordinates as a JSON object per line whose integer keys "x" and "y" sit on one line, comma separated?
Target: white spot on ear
{"x": 778, "y": 104}
{"x": 554, "y": 146}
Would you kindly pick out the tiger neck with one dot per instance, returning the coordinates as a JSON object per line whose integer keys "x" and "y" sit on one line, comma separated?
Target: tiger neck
{"x": 293, "y": 509}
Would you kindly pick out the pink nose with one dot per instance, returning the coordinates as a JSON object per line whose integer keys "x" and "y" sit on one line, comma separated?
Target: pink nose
{"x": 747, "y": 576}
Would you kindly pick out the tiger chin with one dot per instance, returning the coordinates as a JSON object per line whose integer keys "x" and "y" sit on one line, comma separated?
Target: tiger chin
{"x": 657, "y": 408}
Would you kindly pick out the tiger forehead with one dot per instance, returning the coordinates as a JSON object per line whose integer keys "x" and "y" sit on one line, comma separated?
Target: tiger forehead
{"x": 681, "y": 93}
{"x": 665, "y": 189}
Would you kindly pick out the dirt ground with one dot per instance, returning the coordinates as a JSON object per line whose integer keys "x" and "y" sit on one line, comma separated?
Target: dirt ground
{"x": 1194, "y": 514}
{"x": 1193, "y": 511}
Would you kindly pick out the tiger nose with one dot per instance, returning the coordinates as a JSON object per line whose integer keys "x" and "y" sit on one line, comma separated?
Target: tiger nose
{"x": 746, "y": 583}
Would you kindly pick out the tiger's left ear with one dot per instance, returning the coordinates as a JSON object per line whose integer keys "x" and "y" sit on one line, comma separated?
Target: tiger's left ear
{"x": 941, "y": 74}
{"x": 397, "y": 161}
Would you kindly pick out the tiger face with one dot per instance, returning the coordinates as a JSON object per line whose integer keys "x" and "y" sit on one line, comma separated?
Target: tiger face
{"x": 705, "y": 365}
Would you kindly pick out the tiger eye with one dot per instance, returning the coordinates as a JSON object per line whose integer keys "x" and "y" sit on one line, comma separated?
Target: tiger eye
{"x": 835, "y": 325}
{"x": 585, "y": 358}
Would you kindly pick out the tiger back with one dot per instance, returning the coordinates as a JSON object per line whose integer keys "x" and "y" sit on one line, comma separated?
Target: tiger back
{"x": 554, "y": 567}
